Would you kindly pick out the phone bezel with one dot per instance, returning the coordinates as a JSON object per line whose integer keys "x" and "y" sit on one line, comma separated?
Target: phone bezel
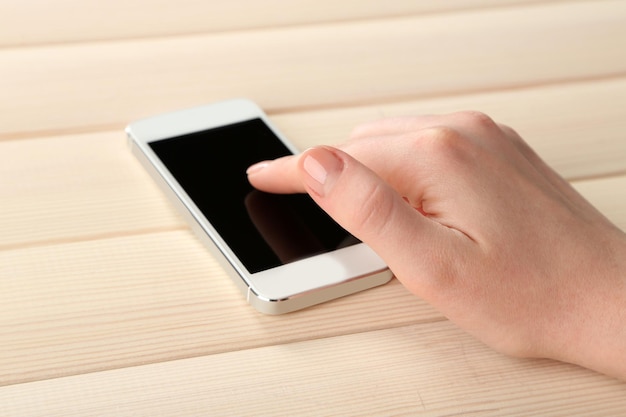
{"x": 275, "y": 290}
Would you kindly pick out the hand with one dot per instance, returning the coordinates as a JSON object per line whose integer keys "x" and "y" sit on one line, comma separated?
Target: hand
{"x": 469, "y": 218}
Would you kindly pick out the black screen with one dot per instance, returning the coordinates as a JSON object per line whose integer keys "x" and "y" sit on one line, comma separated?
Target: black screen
{"x": 263, "y": 230}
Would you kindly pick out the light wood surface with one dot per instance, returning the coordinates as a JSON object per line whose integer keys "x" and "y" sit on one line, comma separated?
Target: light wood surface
{"x": 109, "y": 305}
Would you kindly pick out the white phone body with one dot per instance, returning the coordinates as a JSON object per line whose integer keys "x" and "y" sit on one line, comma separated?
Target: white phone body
{"x": 288, "y": 286}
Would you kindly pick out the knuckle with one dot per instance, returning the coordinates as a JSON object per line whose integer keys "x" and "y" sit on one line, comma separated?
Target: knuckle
{"x": 442, "y": 142}
{"x": 368, "y": 129}
{"x": 478, "y": 119}
{"x": 443, "y": 136}
{"x": 509, "y": 131}
{"x": 360, "y": 131}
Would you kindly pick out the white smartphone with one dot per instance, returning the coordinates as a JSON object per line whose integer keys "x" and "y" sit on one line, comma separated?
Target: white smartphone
{"x": 282, "y": 251}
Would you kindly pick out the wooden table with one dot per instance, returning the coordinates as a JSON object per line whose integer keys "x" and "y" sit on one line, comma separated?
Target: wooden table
{"x": 109, "y": 305}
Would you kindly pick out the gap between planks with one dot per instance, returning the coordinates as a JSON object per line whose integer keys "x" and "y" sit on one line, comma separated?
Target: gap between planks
{"x": 430, "y": 369}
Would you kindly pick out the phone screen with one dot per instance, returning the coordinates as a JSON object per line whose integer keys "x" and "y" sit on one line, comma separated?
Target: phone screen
{"x": 263, "y": 230}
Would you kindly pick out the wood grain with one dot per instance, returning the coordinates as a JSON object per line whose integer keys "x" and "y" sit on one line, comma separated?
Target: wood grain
{"x": 430, "y": 369}
{"x": 96, "y": 85}
{"x": 108, "y": 304}
{"x": 87, "y": 186}
{"x": 85, "y": 306}
{"x": 28, "y": 23}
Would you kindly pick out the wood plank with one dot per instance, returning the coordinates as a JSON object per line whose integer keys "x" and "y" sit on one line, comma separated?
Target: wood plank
{"x": 28, "y": 23}
{"x": 80, "y": 307}
{"x": 430, "y": 370}
{"x": 85, "y": 186}
{"x": 107, "y": 84}
{"x": 101, "y": 280}
{"x": 73, "y": 308}
{"x": 608, "y": 195}
{"x": 576, "y": 127}
{"x": 88, "y": 186}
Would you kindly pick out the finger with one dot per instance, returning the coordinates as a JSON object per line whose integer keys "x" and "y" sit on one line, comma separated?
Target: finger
{"x": 416, "y": 248}
{"x": 278, "y": 176}
{"x": 385, "y": 146}
{"x": 418, "y": 161}
{"x": 469, "y": 122}
{"x": 392, "y": 126}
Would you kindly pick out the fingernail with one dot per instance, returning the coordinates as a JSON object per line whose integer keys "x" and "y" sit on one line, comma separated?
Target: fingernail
{"x": 257, "y": 167}
{"x": 322, "y": 167}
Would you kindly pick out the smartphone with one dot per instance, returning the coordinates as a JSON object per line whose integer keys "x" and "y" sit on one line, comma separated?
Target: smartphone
{"x": 282, "y": 251}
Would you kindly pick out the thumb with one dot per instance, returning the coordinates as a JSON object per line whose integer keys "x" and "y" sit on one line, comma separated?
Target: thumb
{"x": 369, "y": 208}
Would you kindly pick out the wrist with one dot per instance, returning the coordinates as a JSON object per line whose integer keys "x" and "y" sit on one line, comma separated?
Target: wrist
{"x": 596, "y": 331}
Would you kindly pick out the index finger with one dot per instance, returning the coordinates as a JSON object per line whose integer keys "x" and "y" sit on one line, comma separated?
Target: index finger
{"x": 279, "y": 176}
